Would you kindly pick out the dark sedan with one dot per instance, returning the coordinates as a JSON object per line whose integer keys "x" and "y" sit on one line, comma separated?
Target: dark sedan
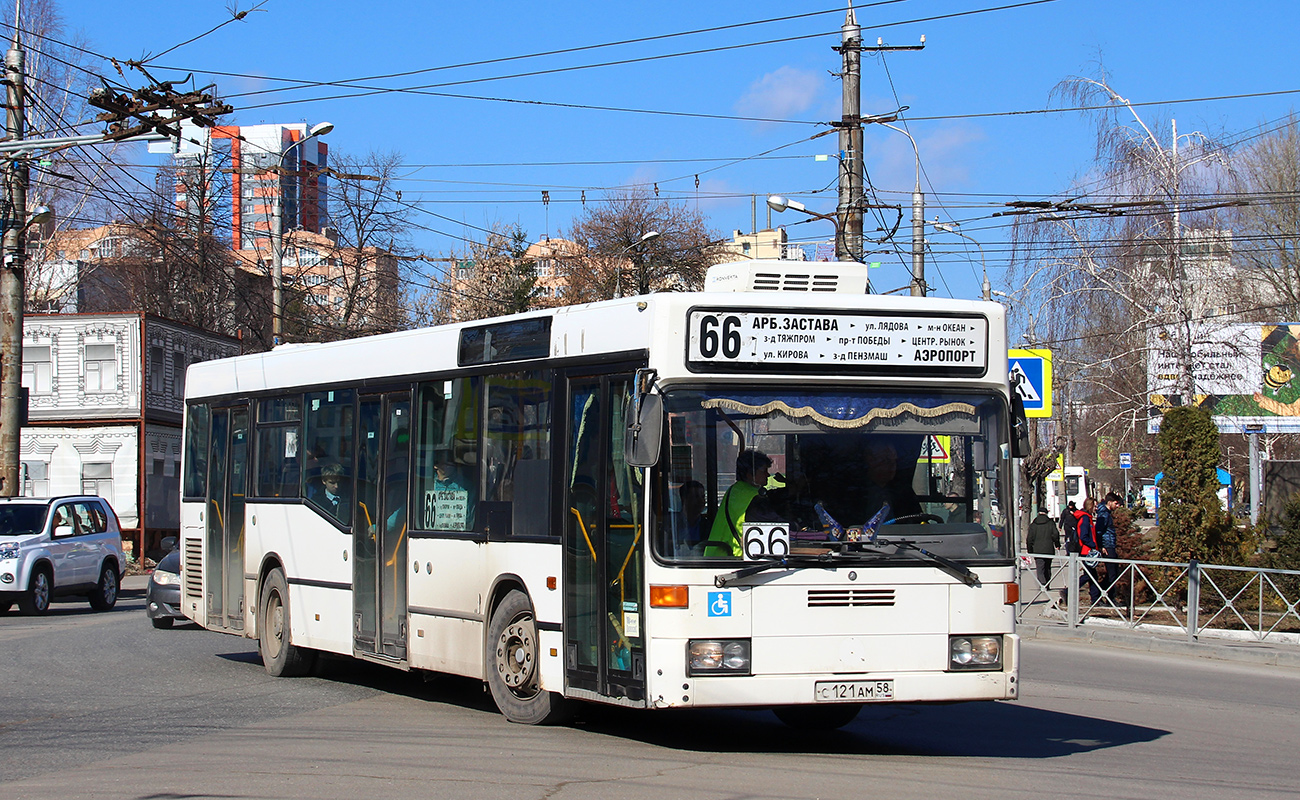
{"x": 163, "y": 603}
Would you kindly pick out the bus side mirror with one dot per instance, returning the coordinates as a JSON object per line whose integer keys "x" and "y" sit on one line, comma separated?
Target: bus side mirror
{"x": 1019, "y": 427}
{"x": 644, "y": 432}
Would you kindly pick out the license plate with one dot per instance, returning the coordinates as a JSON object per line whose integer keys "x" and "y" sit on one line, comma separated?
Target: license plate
{"x": 853, "y": 691}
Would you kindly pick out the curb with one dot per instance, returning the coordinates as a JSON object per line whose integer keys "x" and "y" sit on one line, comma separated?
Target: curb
{"x": 1269, "y": 655}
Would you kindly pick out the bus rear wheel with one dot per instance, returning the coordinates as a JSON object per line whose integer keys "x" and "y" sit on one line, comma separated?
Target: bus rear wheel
{"x": 818, "y": 718}
{"x": 513, "y": 671}
{"x": 280, "y": 656}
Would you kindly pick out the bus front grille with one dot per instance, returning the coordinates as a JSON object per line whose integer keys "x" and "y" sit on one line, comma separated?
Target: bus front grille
{"x": 850, "y": 598}
{"x": 194, "y": 568}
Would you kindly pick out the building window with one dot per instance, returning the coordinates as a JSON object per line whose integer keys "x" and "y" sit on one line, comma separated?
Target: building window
{"x": 36, "y": 479}
{"x": 101, "y": 368}
{"x": 178, "y": 373}
{"x": 156, "y": 370}
{"x": 97, "y": 479}
{"x": 38, "y": 370}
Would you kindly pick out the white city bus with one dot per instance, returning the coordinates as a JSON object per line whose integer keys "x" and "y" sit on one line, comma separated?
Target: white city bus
{"x": 537, "y": 501}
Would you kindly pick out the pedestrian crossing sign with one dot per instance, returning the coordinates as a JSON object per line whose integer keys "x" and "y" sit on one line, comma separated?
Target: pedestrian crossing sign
{"x": 1030, "y": 375}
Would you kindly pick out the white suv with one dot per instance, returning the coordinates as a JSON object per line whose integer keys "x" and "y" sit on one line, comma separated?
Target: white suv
{"x": 59, "y": 546}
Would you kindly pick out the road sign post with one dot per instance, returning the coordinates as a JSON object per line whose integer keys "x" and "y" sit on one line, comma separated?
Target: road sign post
{"x": 1126, "y": 464}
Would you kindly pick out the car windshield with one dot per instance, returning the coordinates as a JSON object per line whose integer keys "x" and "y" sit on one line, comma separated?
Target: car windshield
{"x": 823, "y": 462}
{"x": 170, "y": 562}
{"x": 22, "y": 520}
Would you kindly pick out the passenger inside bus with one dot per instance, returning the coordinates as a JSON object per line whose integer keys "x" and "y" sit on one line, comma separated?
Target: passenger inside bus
{"x": 687, "y": 525}
{"x": 333, "y": 493}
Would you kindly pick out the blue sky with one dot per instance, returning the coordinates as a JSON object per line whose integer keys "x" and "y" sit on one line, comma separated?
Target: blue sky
{"x": 999, "y": 61}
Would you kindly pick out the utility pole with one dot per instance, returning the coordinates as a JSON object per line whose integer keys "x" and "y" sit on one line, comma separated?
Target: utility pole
{"x": 848, "y": 245}
{"x": 11, "y": 278}
{"x": 849, "y": 239}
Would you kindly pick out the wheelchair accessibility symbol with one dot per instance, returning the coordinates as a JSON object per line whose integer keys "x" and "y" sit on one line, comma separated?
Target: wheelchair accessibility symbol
{"x": 719, "y": 604}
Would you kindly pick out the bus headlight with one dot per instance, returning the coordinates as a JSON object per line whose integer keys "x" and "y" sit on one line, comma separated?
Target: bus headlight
{"x": 974, "y": 652}
{"x": 717, "y": 657}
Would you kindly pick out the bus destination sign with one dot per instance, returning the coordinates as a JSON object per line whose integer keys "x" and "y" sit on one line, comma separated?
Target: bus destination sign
{"x": 945, "y": 344}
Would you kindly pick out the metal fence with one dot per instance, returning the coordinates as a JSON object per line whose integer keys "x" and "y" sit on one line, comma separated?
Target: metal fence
{"x": 1192, "y": 599}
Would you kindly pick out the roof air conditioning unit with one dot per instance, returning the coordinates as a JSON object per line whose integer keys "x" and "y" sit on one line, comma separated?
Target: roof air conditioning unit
{"x": 771, "y": 275}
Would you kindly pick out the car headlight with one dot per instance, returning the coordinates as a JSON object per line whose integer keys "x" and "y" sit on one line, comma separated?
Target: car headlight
{"x": 9, "y": 550}
{"x": 166, "y": 578}
{"x": 974, "y": 652}
{"x": 718, "y": 657}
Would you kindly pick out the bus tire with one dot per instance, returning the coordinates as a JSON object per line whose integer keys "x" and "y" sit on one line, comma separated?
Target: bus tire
{"x": 280, "y": 656}
{"x": 513, "y": 671}
{"x": 818, "y": 718}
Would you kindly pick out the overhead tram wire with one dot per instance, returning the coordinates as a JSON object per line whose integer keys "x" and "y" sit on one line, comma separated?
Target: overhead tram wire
{"x": 369, "y": 90}
{"x": 542, "y": 54}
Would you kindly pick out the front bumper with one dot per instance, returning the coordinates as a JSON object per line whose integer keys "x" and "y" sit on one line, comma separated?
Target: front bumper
{"x": 163, "y": 602}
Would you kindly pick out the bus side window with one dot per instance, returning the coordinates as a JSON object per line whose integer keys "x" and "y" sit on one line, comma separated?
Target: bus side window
{"x": 446, "y": 456}
{"x": 328, "y": 423}
{"x": 517, "y": 451}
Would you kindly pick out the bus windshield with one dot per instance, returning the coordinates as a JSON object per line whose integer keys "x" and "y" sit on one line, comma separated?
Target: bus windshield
{"x": 826, "y": 463}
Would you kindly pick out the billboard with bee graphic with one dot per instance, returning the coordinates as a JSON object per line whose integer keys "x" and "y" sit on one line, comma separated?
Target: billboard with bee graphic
{"x": 1246, "y": 375}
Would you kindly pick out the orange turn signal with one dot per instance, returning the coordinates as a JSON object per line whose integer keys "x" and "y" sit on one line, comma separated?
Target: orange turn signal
{"x": 669, "y": 597}
{"x": 1012, "y": 595}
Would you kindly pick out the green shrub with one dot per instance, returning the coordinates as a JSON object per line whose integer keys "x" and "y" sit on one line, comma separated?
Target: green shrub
{"x": 1192, "y": 523}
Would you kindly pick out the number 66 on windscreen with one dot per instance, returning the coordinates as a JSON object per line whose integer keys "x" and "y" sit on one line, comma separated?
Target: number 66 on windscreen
{"x": 766, "y": 540}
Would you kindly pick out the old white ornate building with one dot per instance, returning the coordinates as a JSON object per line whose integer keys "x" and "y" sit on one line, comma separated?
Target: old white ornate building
{"x": 105, "y": 399}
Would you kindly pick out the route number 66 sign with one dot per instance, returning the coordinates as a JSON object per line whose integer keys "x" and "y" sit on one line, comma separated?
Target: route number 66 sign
{"x": 766, "y": 540}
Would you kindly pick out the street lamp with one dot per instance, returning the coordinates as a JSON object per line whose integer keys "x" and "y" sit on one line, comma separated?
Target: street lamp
{"x": 951, "y": 227}
{"x": 779, "y": 204}
{"x": 277, "y": 236}
{"x": 648, "y": 236}
{"x": 918, "y": 209}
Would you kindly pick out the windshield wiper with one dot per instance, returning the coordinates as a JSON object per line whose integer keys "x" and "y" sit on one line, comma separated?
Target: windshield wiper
{"x": 787, "y": 562}
{"x": 956, "y": 569}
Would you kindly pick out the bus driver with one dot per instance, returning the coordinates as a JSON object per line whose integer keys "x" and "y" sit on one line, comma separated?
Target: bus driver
{"x": 752, "y": 468}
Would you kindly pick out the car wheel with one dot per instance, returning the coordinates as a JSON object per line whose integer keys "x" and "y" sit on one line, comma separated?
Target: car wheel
{"x": 104, "y": 596}
{"x": 513, "y": 671}
{"x": 162, "y": 623}
{"x": 818, "y": 718}
{"x": 280, "y": 656}
{"x": 36, "y": 600}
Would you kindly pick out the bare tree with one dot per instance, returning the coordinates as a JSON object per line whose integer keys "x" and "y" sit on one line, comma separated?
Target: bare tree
{"x": 1266, "y": 177}
{"x": 619, "y": 261}
{"x": 1123, "y": 274}
{"x": 371, "y": 229}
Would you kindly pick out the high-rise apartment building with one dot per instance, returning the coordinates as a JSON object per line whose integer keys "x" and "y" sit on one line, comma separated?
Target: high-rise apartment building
{"x": 232, "y": 174}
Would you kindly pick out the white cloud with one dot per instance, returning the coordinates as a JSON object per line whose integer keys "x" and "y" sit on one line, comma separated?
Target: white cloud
{"x": 783, "y": 94}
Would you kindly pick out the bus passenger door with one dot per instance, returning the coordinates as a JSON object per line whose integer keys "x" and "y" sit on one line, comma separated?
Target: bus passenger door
{"x": 379, "y": 525}
{"x": 227, "y": 483}
{"x": 604, "y": 544}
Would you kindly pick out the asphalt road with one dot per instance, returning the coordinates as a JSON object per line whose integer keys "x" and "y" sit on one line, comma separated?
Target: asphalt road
{"x": 104, "y": 706}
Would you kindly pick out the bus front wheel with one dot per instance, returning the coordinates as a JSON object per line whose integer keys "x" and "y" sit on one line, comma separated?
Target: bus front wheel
{"x": 280, "y": 656}
{"x": 513, "y": 671}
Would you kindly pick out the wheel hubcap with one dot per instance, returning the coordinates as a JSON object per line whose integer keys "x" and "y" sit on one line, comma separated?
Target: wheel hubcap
{"x": 41, "y": 590}
{"x": 275, "y": 615}
{"x": 108, "y": 586}
{"x": 517, "y": 657}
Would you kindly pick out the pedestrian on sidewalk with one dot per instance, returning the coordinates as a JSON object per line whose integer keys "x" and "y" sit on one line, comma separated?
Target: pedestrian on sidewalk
{"x": 1089, "y": 550}
{"x": 1107, "y": 540}
{"x": 1042, "y": 540}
